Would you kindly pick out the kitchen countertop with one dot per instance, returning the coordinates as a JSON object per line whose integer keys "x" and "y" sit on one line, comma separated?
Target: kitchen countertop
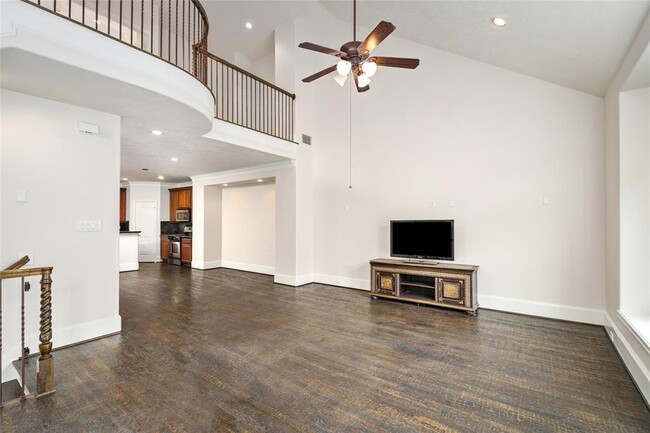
{"x": 130, "y": 231}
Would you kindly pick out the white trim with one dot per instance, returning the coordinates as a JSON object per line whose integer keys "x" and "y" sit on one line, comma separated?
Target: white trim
{"x": 289, "y": 280}
{"x": 301, "y": 280}
{"x": 248, "y": 267}
{"x": 333, "y": 280}
{"x": 143, "y": 183}
{"x": 629, "y": 323}
{"x": 542, "y": 309}
{"x": 219, "y": 176}
{"x": 86, "y": 331}
{"x": 640, "y": 374}
{"x": 125, "y": 267}
{"x": 251, "y": 139}
{"x": 206, "y": 265}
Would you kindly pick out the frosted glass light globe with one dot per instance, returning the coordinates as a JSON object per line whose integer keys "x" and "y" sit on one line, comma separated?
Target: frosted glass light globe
{"x": 363, "y": 80}
{"x": 369, "y": 68}
{"x": 343, "y": 67}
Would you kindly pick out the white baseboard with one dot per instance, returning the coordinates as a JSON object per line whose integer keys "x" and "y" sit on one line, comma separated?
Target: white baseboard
{"x": 632, "y": 360}
{"x": 301, "y": 280}
{"x": 249, "y": 267}
{"x": 125, "y": 267}
{"x": 333, "y": 280}
{"x": 65, "y": 336}
{"x": 292, "y": 280}
{"x": 206, "y": 265}
{"x": 86, "y": 331}
{"x": 542, "y": 309}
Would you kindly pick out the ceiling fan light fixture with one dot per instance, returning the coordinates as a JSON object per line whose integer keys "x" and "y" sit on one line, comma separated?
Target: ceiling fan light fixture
{"x": 363, "y": 80}
{"x": 343, "y": 67}
{"x": 369, "y": 67}
{"x": 341, "y": 79}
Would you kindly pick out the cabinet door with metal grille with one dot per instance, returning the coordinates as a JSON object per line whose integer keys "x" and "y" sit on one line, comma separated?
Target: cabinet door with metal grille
{"x": 451, "y": 291}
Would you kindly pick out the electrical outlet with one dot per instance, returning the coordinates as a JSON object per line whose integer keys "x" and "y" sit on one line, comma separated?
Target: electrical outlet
{"x": 431, "y": 204}
{"x": 90, "y": 226}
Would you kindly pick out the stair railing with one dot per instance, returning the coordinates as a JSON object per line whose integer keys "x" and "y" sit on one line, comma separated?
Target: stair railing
{"x": 45, "y": 375}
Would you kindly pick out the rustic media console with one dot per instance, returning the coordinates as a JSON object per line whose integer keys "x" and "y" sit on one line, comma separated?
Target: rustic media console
{"x": 441, "y": 284}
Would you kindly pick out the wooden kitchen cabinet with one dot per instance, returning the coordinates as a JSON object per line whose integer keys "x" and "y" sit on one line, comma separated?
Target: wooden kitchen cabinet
{"x": 186, "y": 251}
{"x": 179, "y": 198}
{"x": 164, "y": 248}
{"x": 122, "y": 205}
{"x": 185, "y": 198}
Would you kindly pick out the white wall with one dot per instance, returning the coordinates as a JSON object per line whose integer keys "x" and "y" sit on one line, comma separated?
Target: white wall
{"x": 264, "y": 67}
{"x": 248, "y": 239}
{"x": 493, "y": 141}
{"x": 69, "y": 177}
{"x": 635, "y": 201}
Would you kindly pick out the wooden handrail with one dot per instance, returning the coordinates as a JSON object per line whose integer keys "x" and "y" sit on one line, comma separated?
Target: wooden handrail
{"x": 45, "y": 372}
{"x": 248, "y": 74}
{"x": 18, "y": 264}
{"x": 21, "y": 273}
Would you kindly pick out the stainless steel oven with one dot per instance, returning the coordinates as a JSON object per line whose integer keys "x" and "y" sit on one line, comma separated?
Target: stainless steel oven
{"x": 174, "y": 250}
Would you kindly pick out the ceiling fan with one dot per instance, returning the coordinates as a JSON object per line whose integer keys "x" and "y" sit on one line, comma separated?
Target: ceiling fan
{"x": 355, "y": 56}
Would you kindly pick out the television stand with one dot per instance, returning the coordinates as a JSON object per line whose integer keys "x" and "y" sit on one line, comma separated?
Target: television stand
{"x": 440, "y": 284}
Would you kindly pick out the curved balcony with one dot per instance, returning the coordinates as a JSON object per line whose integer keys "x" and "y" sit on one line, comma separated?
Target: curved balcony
{"x": 176, "y": 32}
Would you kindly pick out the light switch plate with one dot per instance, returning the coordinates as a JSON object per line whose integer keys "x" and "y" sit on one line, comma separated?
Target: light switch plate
{"x": 21, "y": 196}
{"x": 547, "y": 200}
{"x": 452, "y": 203}
{"x": 431, "y": 204}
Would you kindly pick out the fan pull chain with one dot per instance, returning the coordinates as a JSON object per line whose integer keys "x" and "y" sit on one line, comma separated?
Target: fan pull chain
{"x": 350, "y": 138}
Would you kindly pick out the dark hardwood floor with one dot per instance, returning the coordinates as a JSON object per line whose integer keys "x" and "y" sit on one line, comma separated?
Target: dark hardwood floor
{"x": 224, "y": 350}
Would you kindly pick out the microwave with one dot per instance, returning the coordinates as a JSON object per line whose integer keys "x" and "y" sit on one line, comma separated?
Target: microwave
{"x": 183, "y": 215}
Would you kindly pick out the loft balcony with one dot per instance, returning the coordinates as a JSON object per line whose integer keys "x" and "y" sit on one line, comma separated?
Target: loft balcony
{"x": 176, "y": 32}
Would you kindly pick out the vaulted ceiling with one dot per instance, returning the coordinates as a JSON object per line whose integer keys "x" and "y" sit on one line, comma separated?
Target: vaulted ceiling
{"x": 577, "y": 44}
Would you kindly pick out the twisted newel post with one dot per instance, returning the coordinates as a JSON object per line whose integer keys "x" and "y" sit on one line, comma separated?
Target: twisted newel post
{"x": 45, "y": 375}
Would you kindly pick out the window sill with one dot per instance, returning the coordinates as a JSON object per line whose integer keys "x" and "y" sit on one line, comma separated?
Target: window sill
{"x": 639, "y": 325}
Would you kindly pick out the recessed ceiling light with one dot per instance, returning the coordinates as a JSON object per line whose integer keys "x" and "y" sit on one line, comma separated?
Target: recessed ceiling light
{"x": 174, "y": 159}
{"x": 156, "y": 132}
{"x": 124, "y": 179}
{"x": 260, "y": 180}
{"x": 499, "y": 22}
{"x": 225, "y": 184}
{"x": 161, "y": 177}
{"x": 249, "y": 26}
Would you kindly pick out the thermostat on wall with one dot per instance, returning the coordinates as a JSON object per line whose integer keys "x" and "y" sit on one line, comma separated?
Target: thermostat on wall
{"x": 87, "y": 128}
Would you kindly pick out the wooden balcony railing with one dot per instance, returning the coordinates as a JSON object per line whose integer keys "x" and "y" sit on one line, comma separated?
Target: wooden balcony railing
{"x": 45, "y": 375}
{"x": 176, "y": 31}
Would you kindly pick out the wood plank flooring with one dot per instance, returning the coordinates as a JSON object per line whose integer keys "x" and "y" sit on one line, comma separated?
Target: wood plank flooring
{"x": 223, "y": 350}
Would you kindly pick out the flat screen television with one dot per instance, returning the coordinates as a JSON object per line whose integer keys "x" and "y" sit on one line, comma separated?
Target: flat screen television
{"x": 422, "y": 239}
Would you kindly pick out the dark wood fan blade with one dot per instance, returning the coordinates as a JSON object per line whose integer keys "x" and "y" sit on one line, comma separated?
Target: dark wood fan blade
{"x": 321, "y": 49}
{"x": 375, "y": 37}
{"x": 397, "y": 62}
{"x": 356, "y": 82}
{"x": 319, "y": 74}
